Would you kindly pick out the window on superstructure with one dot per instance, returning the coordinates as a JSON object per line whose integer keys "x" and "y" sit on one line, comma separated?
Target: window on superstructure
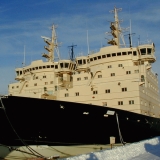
{"x": 85, "y": 78}
{"x": 119, "y": 54}
{"x": 40, "y": 67}
{"x": 66, "y": 94}
{"x": 113, "y": 54}
{"x": 128, "y": 72}
{"x": 56, "y": 66}
{"x": 48, "y": 66}
{"x": 20, "y": 72}
{"x": 131, "y": 102}
{"x": 37, "y": 77}
{"x": 149, "y": 51}
{"x": 46, "y": 83}
{"x": 33, "y": 68}
{"x": 120, "y": 65}
{"x": 91, "y": 59}
{"x": 52, "y": 66}
{"x": 95, "y": 92}
{"x": 134, "y": 53}
{"x": 129, "y": 52}
{"x": 80, "y": 62}
{"x": 12, "y": 87}
{"x": 99, "y": 57}
{"x": 95, "y": 58}
{"x": 136, "y": 71}
{"x": 142, "y": 78}
{"x": 108, "y": 55}
{"x": 17, "y": 72}
{"x": 61, "y": 65}
{"x": 36, "y": 68}
{"x": 44, "y": 67}
{"x": 77, "y": 94}
{"x": 78, "y": 79}
{"x": 44, "y": 76}
{"x": 120, "y": 102}
{"x": 112, "y": 74}
{"x": 124, "y": 53}
{"x": 107, "y": 91}
{"x": 66, "y": 65}
{"x": 143, "y": 51}
{"x": 109, "y": 66}
{"x": 35, "y": 84}
{"x": 99, "y": 76}
{"x": 51, "y": 82}
{"x": 17, "y": 86}
{"x": 84, "y": 61}
{"x": 124, "y": 89}
{"x": 26, "y": 85}
{"x": 103, "y": 56}
{"x": 56, "y": 88}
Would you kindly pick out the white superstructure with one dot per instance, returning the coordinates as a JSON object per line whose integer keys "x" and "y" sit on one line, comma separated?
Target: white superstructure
{"x": 114, "y": 76}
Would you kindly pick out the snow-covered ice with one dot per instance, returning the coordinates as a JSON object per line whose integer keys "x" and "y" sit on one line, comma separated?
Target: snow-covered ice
{"x": 144, "y": 150}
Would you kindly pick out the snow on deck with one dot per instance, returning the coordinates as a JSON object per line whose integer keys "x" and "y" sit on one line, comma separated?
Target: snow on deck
{"x": 144, "y": 150}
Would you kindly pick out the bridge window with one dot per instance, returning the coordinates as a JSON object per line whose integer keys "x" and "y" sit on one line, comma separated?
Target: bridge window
{"x": 103, "y": 56}
{"x": 124, "y": 53}
{"x": 52, "y": 66}
{"x": 56, "y": 66}
{"x": 44, "y": 66}
{"x": 143, "y": 51}
{"x": 66, "y": 65}
{"x": 80, "y": 61}
{"x": 119, "y": 54}
{"x": 84, "y": 61}
{"x": 99, "y": 57}
{"x": 113, "y": 54}
{"x": 149, "y": 50}
{"x": 91, "y": 59}
{"x": 61, "y": 65}
{"x": 129, "y": 53}
{"x": 48, "y": 66}
{"x": 108, "y": 55}
{"x": 134, "y": 53}
{"x": 95, "y": 58}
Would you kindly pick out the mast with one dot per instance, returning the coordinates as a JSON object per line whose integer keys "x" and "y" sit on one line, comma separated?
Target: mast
{"x": 52, "y": 45}
{"x": 115, "y": 29}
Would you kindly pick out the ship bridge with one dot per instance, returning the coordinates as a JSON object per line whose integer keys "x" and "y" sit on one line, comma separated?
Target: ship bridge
{"x": 82, "y": 63}
{"x": 146, "y": 52}
{"x": 65, "y": 66}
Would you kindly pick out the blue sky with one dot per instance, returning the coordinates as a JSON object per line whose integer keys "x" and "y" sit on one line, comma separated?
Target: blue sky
{"x": 23, "y": 22}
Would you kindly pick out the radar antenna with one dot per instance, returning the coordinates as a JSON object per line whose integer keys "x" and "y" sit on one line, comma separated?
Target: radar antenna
{"x": 72, "y": 56}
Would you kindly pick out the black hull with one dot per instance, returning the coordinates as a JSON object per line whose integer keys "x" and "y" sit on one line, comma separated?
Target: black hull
{"x": 51, "y": 122}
